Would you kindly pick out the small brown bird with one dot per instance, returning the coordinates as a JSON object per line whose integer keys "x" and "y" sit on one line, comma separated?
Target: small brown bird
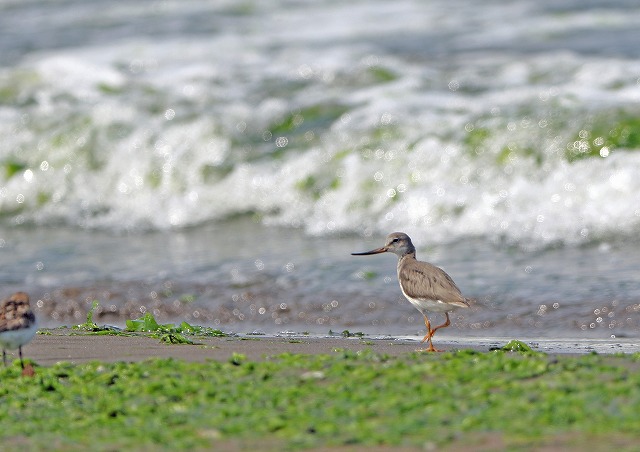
{"x": 426, "y": 286}
{"x": 17, "y": 324}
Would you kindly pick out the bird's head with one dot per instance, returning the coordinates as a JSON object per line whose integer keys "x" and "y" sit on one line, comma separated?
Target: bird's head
{"x": 397, "y": 243}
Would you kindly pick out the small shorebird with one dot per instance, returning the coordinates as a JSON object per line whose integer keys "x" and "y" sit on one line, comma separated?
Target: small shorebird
{"x": 17, "y": 324}
{"x": 426, "y": 286}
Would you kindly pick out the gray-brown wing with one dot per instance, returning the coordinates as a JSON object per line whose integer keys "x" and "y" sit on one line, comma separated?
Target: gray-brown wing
{"x": 424, "y": 280}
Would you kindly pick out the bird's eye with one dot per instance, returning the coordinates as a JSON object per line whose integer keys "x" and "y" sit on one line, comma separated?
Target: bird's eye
{"x": 394, "y": 240}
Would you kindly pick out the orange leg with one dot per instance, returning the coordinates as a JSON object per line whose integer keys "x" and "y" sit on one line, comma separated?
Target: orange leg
{"x": 444, "y": 325}
{"x": 431, "y": 332}
{"x": 428, "y": 336}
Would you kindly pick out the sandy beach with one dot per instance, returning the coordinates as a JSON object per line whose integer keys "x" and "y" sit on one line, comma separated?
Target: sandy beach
{"x": 68, "y": 345}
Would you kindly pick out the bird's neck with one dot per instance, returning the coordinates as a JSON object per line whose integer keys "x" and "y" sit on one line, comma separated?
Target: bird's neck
{"x": 408, "y": 255}
{"x": 404, "y": 260}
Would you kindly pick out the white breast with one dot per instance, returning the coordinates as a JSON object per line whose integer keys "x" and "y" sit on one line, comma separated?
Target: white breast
{"x": 16, "y": 338}
{"x": 426, "y": 304}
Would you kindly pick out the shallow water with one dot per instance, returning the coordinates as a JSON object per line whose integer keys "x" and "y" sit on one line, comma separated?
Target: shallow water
{"x": 242, "y": 276}
{"x": 217, "y": 162}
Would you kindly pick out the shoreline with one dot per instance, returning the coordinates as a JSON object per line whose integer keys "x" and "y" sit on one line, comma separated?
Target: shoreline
{"x": 64, "y": 344}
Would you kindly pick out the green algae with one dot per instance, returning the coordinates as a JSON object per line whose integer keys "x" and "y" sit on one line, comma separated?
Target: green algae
{"x": 604, "y": 134}
{"x": 346, "y": 399}
{"x": 11, "y": 167}
{"x": 515, "y": 345}
{"x": 169, "y": 333}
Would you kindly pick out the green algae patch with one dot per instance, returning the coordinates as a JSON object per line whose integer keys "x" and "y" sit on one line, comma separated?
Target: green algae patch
{"x": 515, "y": 345}
{"x": 345, "y": 399}
{"x": 604, "y": 134}
{"x": 169, "y": 333}
{"x": 91, "y": 327}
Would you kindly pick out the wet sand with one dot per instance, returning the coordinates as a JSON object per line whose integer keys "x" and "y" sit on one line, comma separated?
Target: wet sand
{"x": 67, "y": 345}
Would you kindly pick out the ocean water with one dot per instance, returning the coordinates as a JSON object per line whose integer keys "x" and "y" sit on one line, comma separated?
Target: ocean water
{"x": 218, "y": 161}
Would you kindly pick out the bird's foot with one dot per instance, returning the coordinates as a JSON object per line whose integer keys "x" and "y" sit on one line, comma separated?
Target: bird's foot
{"x": 28, "y": 371}
{"x": 429, "y": 349}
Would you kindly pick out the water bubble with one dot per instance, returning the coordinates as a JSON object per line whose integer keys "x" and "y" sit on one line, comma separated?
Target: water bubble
{"x": 169, "y": 114}
{"x": 136, "y": 66}
{"x": 371, "y": 60}
{"x": 305, "y": 71}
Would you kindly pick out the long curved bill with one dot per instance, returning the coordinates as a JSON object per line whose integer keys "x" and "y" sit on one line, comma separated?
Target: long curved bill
{"x": 376, "y": 251}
